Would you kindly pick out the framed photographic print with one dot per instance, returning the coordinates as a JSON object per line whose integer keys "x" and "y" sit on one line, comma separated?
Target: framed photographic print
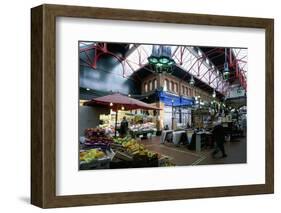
{"x": 136, "y": 106}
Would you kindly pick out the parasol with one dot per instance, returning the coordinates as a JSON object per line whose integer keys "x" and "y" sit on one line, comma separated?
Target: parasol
{"x": 117, "y": 101}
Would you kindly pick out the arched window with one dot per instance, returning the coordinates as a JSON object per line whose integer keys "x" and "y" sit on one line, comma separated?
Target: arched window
{"x": 154, "y": 84}
{"x": 150, "y": 85}
{"x": 166, "y": 85}
{"x": 191, "y": 92}
{"x": 145, "y": 87}
{"x": 176, "y": 87}
{"x": 183, "y": 90}
{"x": 171, "y": 86}
{"x": 186, "y": 91}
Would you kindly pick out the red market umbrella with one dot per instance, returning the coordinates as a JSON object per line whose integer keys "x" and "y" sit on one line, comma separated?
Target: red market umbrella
{"x": 117, "y": 101}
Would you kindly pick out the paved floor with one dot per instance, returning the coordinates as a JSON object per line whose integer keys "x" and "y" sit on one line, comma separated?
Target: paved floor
{"x": 181, "y": 156}
{"x": 236, "y": 151}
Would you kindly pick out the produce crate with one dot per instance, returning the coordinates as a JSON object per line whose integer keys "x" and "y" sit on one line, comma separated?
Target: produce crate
{"x": 142, "y": 161}
{"x": 88, "y": 165}
{"x": 104, "y": 147}
{"x": 120, "y": 164}
{"x": 164, "y": 160}
{"x": 116, "y": 146}
{"x": 123, "y": 156}
{"x": 102, "y": 163}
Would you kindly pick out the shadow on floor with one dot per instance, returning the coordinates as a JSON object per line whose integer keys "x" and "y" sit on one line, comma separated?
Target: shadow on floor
{"x": 25, "y": 199}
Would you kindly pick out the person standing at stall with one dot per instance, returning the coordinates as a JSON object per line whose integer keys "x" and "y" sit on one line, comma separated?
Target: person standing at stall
{"x": 218, "y": 135}
{"x": 124, "y": 127}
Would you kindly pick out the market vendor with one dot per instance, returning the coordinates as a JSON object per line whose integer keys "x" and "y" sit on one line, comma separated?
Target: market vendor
{"x": 124, "y": 127}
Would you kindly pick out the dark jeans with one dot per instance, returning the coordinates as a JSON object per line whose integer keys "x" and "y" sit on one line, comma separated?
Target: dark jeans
{"x": 219, "y": 147}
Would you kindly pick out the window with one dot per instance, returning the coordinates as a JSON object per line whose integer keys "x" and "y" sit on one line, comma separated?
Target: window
{"x": 183, "y": 90}
{"x": 171, "y": 86}
{"x": 150, "y": 85}
{"x": 187, "y": 92}
{"x": 145, "y": 87}
{"x": 155, "y": 84}
{"x": 191, "y": 92}
{"x": 166, "y": 85}
{"x": 176, "y": 87}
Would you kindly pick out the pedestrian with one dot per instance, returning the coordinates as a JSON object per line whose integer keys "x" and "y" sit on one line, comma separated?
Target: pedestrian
{"x": 124, "y": 127}
{"x": 218, "y": 135}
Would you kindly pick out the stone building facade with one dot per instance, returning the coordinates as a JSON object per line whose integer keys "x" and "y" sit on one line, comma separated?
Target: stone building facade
{"x": 172, "y": 85}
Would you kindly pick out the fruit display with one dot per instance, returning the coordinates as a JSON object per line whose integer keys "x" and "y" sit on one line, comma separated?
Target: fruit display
{"x": 100, "y": 151}
{"x": 94, "y": 132}
{"x": 96, "y": 138}
{"x": 165, "y": 161}
{"x": 91, "y": 154}
{"x": 121, "y": 140}
{"x": 94, "y": 159}
{"x": 146, "y": 127}
{"x": 167, "y": 164}
{"x": 132, "y": 147}
{"x": 109, "y": 130}
{"x": 98, "y": 141}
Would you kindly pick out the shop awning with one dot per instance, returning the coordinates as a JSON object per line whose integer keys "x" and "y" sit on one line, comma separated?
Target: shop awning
{"x": 117, "y": 102}
{"x": 174, "y": 100}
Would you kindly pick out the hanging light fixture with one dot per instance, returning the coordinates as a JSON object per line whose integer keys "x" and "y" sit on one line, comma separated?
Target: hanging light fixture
{"x": 226, "y": 68}
{"x": 191, "y": 81}
{"x": 161, "y": 59}
{"x": 164, "y": 60}
{"x": 153, "y": 58}
{"x": 214, "y": 93}
{"x": 171, "y": 62}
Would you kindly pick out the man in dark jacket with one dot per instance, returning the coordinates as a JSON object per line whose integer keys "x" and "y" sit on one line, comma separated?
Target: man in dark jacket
{"x": 219, "y": 134}
{"x": 124, "y": 127}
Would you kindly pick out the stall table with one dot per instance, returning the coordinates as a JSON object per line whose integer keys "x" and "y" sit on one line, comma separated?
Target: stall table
{"x": 177, "y": 136}
{"x": 143, "y": 132}
{"x": 199, "y": 136}
{"x": 164, "y": 134}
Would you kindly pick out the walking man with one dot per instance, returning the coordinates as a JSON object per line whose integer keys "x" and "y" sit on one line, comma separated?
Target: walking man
{"x": 219, "y": 134}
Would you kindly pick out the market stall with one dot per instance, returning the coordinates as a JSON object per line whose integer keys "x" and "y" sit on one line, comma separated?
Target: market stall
{"x": 100, "y": 149}
{"x": 118, "y": 102}
{"x": 143, "y": 130}
{"x": 194, "y": 140}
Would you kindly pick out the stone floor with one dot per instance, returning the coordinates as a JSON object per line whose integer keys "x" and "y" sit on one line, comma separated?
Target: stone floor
{"x": 181, "y": 156}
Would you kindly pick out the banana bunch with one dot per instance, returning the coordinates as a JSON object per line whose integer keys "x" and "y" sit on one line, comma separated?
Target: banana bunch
{"x": 135, "y": 148}
{"x": 91, "y": 154}
{"x": 121, "y": 140}
{"x": 151, "y": 154}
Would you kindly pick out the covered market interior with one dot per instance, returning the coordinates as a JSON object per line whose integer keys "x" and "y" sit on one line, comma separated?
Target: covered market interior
{"x": 146, "y": 105}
